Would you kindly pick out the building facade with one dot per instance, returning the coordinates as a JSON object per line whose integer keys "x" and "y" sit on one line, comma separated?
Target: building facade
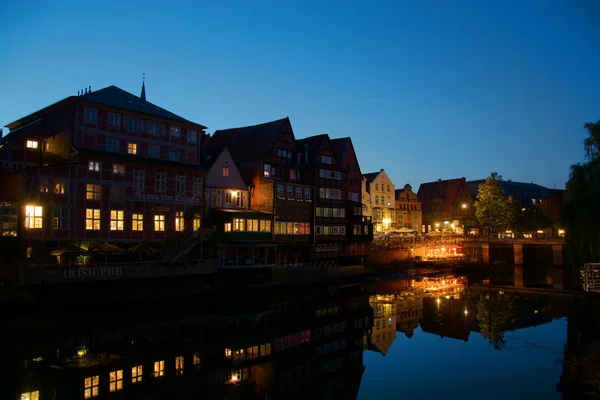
{"x": 447, "y": 207}
{"x": 103, "y": 166}
{"x": 267, "y": 158}
{"x": 408, "y": 209}
{"x": 359, "y": 229}
{"x": 381, "y": 200}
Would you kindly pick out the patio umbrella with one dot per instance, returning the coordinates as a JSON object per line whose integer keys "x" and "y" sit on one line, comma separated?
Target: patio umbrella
{"x": 406, "y": 230}
{"x": 107, "y": 248}
{"x": 69, "y": 250}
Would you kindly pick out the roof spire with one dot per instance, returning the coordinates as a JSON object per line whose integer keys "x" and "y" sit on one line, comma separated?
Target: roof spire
{"x": 143, "y": 95}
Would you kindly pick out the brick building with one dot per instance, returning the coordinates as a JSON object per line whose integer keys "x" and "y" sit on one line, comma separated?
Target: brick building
{"x": 102, "y": 166}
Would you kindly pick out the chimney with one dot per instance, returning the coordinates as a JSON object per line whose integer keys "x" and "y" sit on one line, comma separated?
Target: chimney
{"x": 90, "y": 89}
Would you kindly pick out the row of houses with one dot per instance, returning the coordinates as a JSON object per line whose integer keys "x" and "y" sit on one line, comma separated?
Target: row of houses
{"x": 447, "y": 205}
{"x": 110, "y": 170}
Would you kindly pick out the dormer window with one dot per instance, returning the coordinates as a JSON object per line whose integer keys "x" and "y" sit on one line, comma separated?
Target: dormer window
{"x": 91, "y": 115}
{"x": 174, "y": 131}
{"x": 32, "y": 144}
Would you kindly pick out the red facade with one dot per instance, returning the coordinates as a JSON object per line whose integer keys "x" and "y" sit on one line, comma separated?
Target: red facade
{"x": 106, "y": 166}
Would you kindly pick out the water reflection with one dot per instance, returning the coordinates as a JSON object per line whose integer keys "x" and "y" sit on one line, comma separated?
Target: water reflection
{"x": 294, "y": 343}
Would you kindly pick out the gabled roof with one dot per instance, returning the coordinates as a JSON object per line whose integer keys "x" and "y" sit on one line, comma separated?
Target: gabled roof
{"x": 340, "y": 147}
{"x": 314, "y": 145}
{"x": 115, "y": 97}
{"x": 447, "y": 190}
{"x": 249, "y": 143}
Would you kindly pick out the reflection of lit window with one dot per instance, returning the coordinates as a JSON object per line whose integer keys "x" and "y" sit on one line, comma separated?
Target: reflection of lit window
{"x": 179, "y": 365}
{"x": 196, "y": 360}
{"x": 91, "y": 387}
{"x": 196, "y": 221}
{"x": 116, "y": 380}
{"x": 33, "y": 217}
{"x": 31, "y": 395}
{"x": 159, "y": 368}
{"x": 228, "y": 353}
{"x": 136, "y": 374}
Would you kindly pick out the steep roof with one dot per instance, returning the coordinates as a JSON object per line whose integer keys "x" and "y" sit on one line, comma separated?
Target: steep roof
{"x": 340, "y": 147}
{"x": 314, "y": 144}
{"x": 117, "y": 97}
{"x": 248, "y": 143}
{"x": 371, "y": 176}
{"x": 114, "y": 97}
{"x": 446, "y": 190}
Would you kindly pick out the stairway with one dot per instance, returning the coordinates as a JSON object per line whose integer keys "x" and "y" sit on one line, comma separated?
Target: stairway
{"x": 186, "y": 244}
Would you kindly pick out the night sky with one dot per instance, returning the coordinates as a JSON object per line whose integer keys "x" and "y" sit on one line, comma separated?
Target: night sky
{"x": 426, "y": 89}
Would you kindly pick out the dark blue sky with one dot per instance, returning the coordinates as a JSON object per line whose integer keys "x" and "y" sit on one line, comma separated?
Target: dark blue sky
{"x": 426, "y": 89}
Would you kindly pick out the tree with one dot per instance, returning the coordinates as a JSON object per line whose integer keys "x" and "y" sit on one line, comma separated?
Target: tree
{"x": 495, "y": 313}
{"x": 581, "y": 212}
{"x": 492, "y": 208}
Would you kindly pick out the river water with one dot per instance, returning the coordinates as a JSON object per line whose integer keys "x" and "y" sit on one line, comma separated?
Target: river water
{"x": 420, "y": 337}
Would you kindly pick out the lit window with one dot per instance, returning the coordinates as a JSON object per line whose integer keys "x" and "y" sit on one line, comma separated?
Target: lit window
{"x": 265, "y": 226}
{"x": 33, "y": 217}
{"x": 119, "y": 169}
{"x": 227, "y": 227}
{"x": 116, "y": 380}
{"x": 179, "y": 365}
{"x": 196, "y": 221}
{"x": 137, "y": 222}
{"x": 196, "y": 360}
{"x": 174, "y": 131}
{"x": 228, "y": 353}
{"x": 92, "y": 219}
{"x": 32, "y": 144}
{"x": 136, "y": 374}
{"x": 267, "y": 170}
{"x": 60, "y": 186}
{"x": 159, "y": 368}
{"x": 159, "y": 222}
{"x": 116, "y": 220}
{"x": 91, "y": 387}
{"x": 225, "y": 171}
{"x": 94, "y": 166}
{"x": 31, "y": 395}
{"x": 92, "y": 192}
{"x": 238, "y": 224}
{"x": 179, "y": 221}
{"x": 132, "y": 148}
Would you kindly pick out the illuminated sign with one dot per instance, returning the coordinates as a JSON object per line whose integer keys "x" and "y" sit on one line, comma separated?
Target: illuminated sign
{"x": 166, "y": 197}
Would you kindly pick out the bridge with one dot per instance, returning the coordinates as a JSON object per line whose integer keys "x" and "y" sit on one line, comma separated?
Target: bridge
{"x": 555, "y": 245}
